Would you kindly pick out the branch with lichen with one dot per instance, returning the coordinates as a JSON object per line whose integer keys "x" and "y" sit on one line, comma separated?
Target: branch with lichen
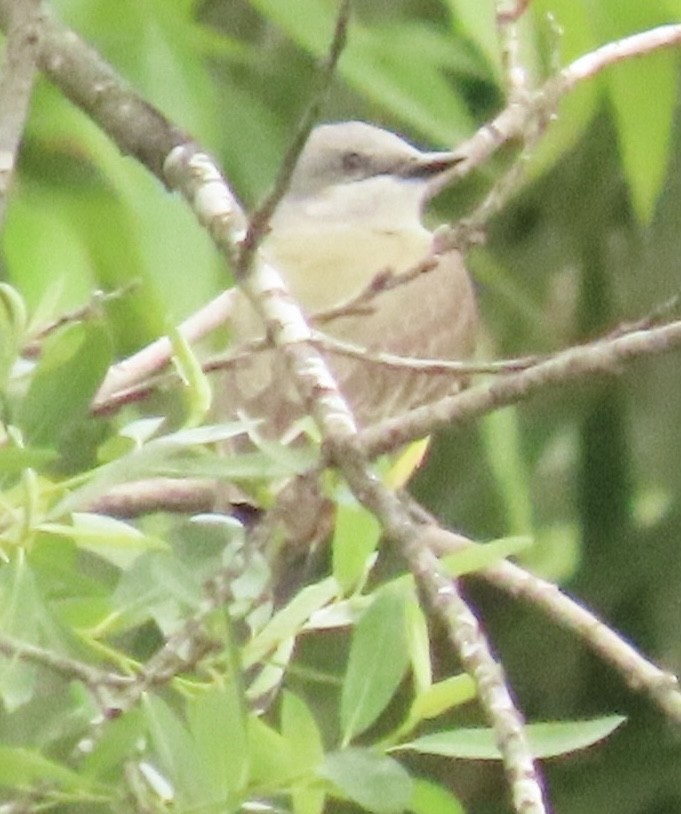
{"x": 184, "y": 167}
{"x": 174, "y": 158}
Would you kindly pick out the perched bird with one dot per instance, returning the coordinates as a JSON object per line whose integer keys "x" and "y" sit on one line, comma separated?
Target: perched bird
{"x": 353, "y": 212}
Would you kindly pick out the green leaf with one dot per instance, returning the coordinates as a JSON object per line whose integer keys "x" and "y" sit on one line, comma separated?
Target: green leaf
{"x": 418, "y": 643}
{"x": 246, "y": 466}
{"x": 16, "y": 459}
{"x": 217, "y": 721}
{"x": 272, "y": 763}
{"x": 116, "y": 541}
{"x": 431, "y": 799}
{"x": 197, "y": 390}
{"x": 501, "y": 434}
{"x": 375, "y": 782}
{"x": 271, "y": 674}
{"x": 176, "y": 750}
{"x": 149, "y": 459}
{"x": 415, "y": 90}
{"x": 70, "y": 369}
{"x": 377, "y": 663}
{"x": 24, "y": 615}
{"x": 117, "y": 742}
{"x": 644, "y": 124}
{"x": 156, "y": 586}
{"x": 355, "y": 538}
{"x": 308, "y": 799}
{"x": 577, "y": 110}
{"x": 41, "y": 244}
{"x": 476, "y": 18}
{"x": 482, "y": 555}
{"x": 21, "y": 768}
{"x": 290, "y": 620}
{"x": 299, "y": 727}
{"x": 644, "y": 120}
{"x": 13, "y": 323}
{"x": 408, "y": 82}
{"x": 442, "y": 696}
{"x": 546, "y": 739}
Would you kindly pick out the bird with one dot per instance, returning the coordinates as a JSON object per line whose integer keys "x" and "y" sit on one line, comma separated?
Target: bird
{"x": 352, "y": 213}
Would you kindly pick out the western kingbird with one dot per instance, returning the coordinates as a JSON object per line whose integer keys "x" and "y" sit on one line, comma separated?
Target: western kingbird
{"x": 353, "y": 211}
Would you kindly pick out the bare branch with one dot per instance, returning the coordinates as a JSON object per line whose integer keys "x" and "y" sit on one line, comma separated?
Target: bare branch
{"x": 16, "y": 85}
{"x": 89, "y": 82}
{"x": 70, "y": 669}
{"x": 508, "y": 36}
{"x": 513, "y": 122}
{"x": 603, "y": 357}
{"x": 513, "y": 14}
{"x": 259, "y": 220}
{"x": 124, "y": 375}
{"x": 637, "y": 45}
{"x": 186, "y": 496}
{"x": 463, "y": 629}
{"x": 640, "y": 674}
{"x": 445, "y": 367}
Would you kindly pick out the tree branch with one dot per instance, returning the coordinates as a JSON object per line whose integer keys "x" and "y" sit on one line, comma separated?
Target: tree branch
{"x": 602, "y": 357}
{"x": 16, "y": 85}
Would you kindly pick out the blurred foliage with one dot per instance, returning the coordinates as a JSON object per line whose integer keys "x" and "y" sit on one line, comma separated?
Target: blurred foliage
{"x": 590, "y": 472}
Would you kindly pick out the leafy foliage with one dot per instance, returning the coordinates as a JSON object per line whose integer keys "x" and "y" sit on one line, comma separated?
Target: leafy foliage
{"x": 318, "y": 700}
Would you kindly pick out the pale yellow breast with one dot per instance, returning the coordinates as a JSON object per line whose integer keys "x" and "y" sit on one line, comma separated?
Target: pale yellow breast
{"x": 434, "y": 315}
{"x": 328, "y": 267}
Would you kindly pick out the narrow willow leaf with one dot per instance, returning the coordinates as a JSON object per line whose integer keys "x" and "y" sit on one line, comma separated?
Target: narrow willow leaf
{"x": 290, "y": 620}
{"x": 70, "y": 369}
{"x": 299, "y": 727}
{"x": 476, "y": 557}
{"x": 546, "y": 739}
{"x": 25, "y": 767}
{"x": 377, "y": 663}
{"x": 355, "y": 539}
{"x": 217, "y": 721}
{"x": 375, "y": 782}
{"x": 441, "y": 696}
{"x": 116, "y": 541}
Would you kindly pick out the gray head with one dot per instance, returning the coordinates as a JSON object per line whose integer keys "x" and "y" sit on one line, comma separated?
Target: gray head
{"x": 351, "y": 152}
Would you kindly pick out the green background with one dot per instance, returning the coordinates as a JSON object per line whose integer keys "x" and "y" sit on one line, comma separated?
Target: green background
{"x": 591, "y": 241}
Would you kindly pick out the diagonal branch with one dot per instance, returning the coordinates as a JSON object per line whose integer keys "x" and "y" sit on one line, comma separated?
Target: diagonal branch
{"x": 140, "y": 130}
{"x": 603, "y": 357}
{"x": 148, "y": 136}
{"x": 16, "y": 85}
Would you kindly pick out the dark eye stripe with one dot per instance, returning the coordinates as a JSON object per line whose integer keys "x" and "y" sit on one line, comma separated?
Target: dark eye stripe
{"x": 352, "y": 161}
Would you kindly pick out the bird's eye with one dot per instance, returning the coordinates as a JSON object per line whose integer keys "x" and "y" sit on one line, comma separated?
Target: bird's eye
{"x": 352, "y": 161}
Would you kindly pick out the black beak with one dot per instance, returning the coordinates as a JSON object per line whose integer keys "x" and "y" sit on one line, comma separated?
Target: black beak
{"x": 428, "y": 165}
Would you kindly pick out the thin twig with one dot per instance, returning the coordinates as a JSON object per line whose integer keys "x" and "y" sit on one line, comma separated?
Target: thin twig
{"x": 513, "y": 14}
{"x": 603, "y": 357}
{"x": 511, "y": 122}
{"x": 634, "y": 46}
{"x": 385, "y": 280}
{"x": 260, "y": 219}
{"x": 125, "y": 375}
{"x": 509, "y": 46}
{"x": 450, "y": 367}
{"x": 90, "y": 310}
{"x": 64, "y": 666}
